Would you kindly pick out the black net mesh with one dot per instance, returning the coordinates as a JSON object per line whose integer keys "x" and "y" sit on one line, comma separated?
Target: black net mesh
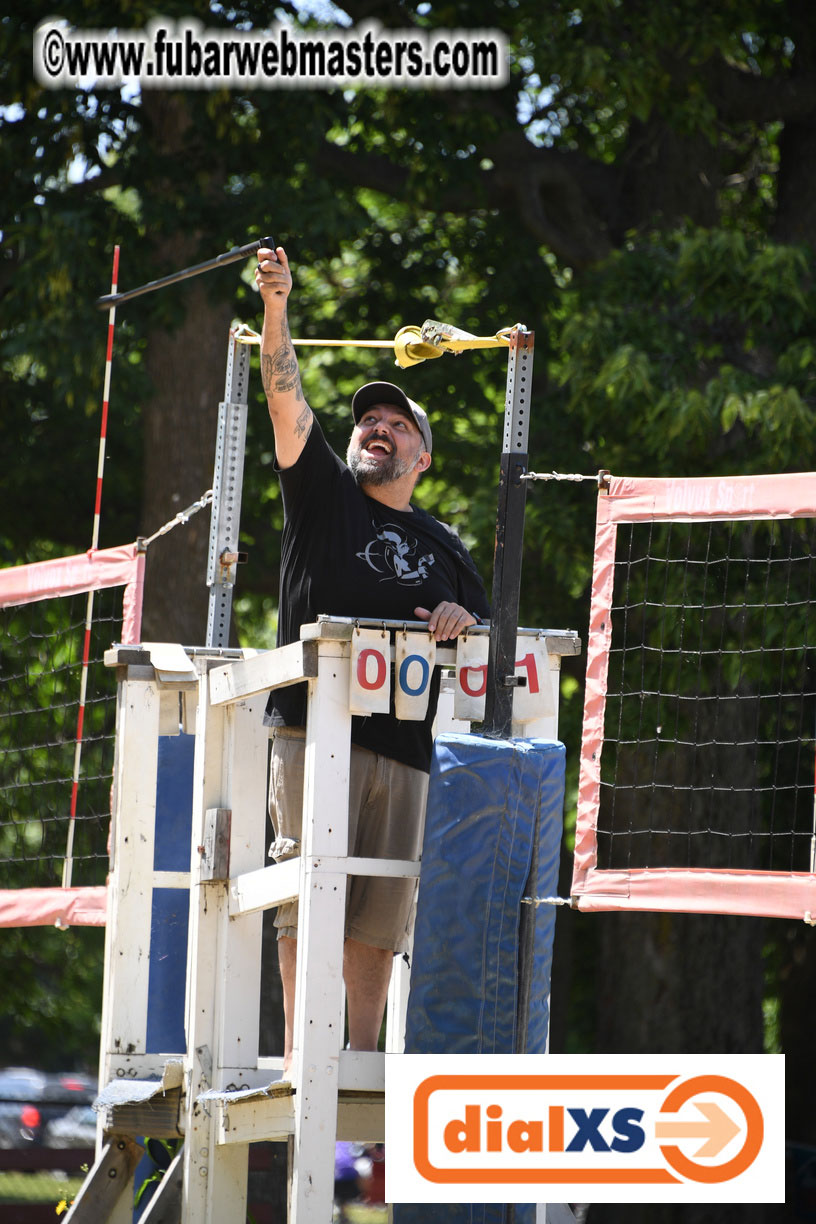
{"x": 41, "y": 652}
{"x": 708, "y": 756}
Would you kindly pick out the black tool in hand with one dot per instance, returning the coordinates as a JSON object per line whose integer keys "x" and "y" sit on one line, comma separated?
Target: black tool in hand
{"x": 228, "y": 257}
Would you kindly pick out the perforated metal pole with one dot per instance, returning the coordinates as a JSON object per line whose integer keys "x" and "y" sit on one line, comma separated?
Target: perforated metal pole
{"x": 501, "y": 662}
{"x": 228, "y": 478}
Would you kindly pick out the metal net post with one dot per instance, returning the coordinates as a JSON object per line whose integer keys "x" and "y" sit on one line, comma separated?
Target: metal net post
{"x": 228, "y": 477}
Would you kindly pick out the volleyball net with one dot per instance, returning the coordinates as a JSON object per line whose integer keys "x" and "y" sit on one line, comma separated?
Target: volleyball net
{"x": 57, "y": 730}
{"x": 698, "y": 754}
{"x": 696, "y": 788}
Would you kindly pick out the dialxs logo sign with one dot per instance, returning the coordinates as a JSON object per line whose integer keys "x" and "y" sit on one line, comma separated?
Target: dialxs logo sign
{"x": 585, "y": 1128}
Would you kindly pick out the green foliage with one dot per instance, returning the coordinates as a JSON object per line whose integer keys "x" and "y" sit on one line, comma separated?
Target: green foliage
{"x": 692, "y": 354}
{"x": 161, "y": 1152}
{"x": 52, "y": 996}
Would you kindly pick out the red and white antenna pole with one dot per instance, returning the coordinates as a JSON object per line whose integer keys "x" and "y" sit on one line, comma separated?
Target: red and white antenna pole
{"x": 67, "y": 869}
{"x": 103, "y": 430}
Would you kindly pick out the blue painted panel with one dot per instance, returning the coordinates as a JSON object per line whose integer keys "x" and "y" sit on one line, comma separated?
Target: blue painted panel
{"x": 168, "y": 971}
{"x": 174, "y": 803}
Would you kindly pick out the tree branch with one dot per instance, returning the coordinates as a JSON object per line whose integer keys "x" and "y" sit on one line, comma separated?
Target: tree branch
{"x": 551, "y": 191}
{"x": 740, "y": 96}
{"x": 374, "y": 10}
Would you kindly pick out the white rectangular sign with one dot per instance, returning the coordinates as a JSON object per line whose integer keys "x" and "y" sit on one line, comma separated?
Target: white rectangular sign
{"x": 370, "y": 673}
{"x": 652, "y": 1128}
{"x": 533, "y": 697}
{"x": 414, "y": 658}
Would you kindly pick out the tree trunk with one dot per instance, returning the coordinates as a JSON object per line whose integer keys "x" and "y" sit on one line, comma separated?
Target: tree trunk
{"x": 186, "y": 362}
{"x": 188, "y": 368}
{"x": 796, "y": 187}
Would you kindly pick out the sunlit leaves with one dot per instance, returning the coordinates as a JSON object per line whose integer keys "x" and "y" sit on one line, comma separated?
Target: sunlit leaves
{"x": 683, "y": 366}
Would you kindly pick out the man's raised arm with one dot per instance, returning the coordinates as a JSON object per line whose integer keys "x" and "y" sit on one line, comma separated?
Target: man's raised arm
{"x": 291, "y": 415}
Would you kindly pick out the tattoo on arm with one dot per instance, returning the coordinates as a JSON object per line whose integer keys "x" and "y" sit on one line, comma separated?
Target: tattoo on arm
{"x": 303, "y": 421}
{"x": 279, "y": 372}
{"x": 279, "y": 369}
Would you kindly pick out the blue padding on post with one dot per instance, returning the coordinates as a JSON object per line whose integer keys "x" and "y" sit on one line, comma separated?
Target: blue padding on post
{"x": 174, "y": 803}
{"x": 486, "y": 799}
{"x": 483, "y": 801}
{"x": 168, "y": 971}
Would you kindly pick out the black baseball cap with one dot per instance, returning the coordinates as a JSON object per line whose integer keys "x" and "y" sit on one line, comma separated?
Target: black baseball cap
{"x": 387, "y": 393}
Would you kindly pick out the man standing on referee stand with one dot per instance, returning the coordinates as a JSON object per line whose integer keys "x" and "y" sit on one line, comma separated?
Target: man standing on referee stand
{"x": 354, "y": 545}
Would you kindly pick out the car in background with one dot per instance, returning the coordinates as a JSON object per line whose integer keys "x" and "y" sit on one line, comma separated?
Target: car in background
{"x": 30, "y": 1100}
{"x": 75, "y": 1129}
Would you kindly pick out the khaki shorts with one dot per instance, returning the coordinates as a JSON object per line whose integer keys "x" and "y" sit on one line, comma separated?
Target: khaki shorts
{"x": 386, "y": 820}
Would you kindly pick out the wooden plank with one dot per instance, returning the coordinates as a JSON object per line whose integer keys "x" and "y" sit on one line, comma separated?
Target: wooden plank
{"x": 147, "y": 1106}
{"x": 562, "y": 642}
{"x": 268, "y": 670}
{"x": 397, "y": 1006}
{"x": 109, "y": 1178}
{"x": 336, "y": 630}
{"x": 126, "y": 656}
{"x": 158, "y": 1116}
{"x": 360, "y": 1118}
{"x": 214, "y": 1180}
{"x": 255, "y": 1120}
{"x": 244, "y": 789}
{"x": 270, "y": 886}
{"x": 171, "y": 879}
{"x": 401, "y": 868}
{"x": 262, "y": 889}
{"x": 340, "y": 629}
{"x": 127, "y": 936}
{"x": 215, "y": 853}
{"x": 265, "y": 1072}
{"x": 134, "y": 1066}
{"x": 319, "y": 994}
{"x": 362, "y": 1071}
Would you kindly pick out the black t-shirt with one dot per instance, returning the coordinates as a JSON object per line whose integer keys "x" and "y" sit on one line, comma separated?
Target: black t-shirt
{"x": 345, "y": 554}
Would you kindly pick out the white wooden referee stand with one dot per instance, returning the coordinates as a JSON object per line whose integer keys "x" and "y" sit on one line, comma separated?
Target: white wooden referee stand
{"x": 216, "y": 1092}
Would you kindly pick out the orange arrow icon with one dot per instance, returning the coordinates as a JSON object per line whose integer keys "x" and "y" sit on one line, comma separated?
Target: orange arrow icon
{"x": 718, "y": 1129}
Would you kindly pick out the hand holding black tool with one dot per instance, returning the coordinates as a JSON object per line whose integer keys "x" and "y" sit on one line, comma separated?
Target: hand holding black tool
{"x": 272, "y": 273}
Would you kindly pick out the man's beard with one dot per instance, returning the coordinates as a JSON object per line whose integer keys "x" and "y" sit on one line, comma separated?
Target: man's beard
{"x": 378, "y": 472}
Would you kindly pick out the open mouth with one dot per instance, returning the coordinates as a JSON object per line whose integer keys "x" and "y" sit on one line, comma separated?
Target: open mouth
{"x": 378, "y": 446}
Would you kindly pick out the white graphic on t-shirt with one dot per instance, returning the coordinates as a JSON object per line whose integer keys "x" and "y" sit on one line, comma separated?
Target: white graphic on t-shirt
{"x": 393, "y": 554}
